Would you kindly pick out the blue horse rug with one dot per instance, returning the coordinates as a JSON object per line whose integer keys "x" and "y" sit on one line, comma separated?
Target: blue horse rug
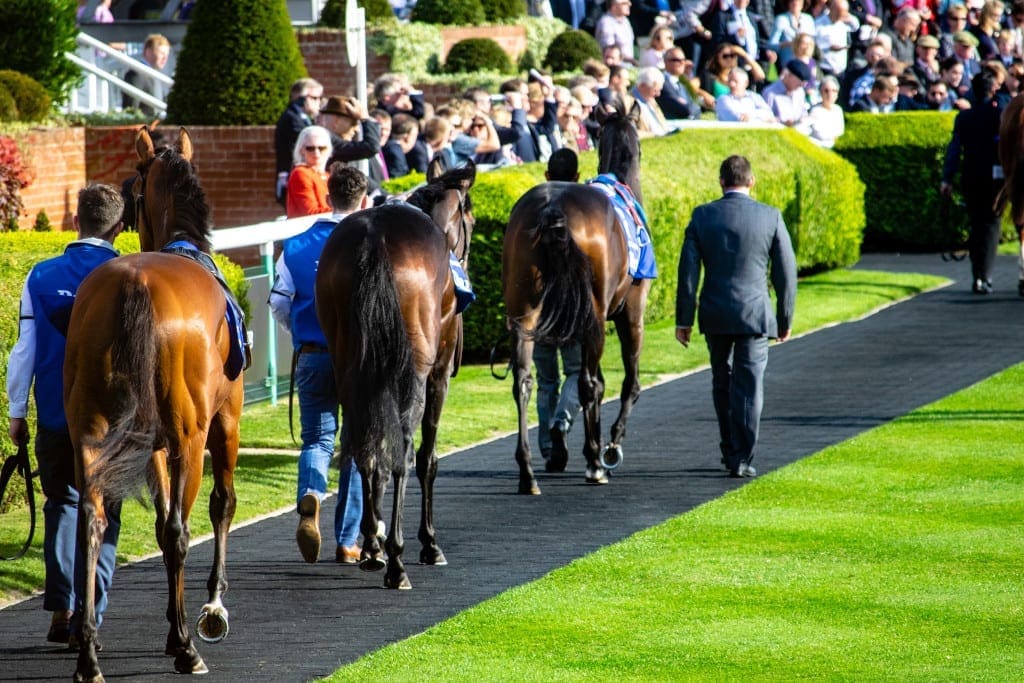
{"x": 634, "y": 225}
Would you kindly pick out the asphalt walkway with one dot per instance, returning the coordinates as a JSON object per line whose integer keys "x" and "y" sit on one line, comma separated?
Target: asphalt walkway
{"x": 291, "y": 621}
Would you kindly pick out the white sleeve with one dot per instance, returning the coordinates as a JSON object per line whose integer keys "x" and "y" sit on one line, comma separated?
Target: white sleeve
{"x": 281, "y": 295}
{"x": 21, "y": 364}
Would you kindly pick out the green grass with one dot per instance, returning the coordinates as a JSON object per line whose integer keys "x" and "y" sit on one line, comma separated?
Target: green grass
{"x": 893, "y": 556}
{"x": 478, "y": 408}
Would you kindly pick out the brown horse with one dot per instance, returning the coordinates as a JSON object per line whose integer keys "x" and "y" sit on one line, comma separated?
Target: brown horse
{"x": 564, "y": 274}
{"x": 147, "y": 387}
{"x": 387, "y": 304}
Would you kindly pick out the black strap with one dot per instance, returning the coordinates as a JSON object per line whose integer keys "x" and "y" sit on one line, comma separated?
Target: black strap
{"x": 19, "y": 462}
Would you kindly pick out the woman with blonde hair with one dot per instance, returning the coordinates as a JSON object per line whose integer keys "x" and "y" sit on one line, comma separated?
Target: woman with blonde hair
{"x": 654, "y": 54}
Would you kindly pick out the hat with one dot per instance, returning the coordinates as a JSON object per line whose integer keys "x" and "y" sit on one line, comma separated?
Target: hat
{"x": 928, "y": 41}
{"x": 799, "y": 69}
{"x": 340, "y": 106}
{"x": 965, "y": 38}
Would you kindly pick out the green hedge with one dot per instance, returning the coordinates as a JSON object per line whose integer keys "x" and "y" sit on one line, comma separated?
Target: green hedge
{"x": 819, "y": 193}
{"x": 899, "y": 157}
{"x": 19, "y": 251}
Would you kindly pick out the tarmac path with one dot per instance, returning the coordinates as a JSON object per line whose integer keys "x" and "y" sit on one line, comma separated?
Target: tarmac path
{"x": 292, "y": 621}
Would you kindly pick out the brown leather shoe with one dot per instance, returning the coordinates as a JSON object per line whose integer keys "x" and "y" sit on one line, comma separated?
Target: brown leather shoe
{"x": 347, "y": 554}
{"x": 308, "y": 533}
{"x": 60, "y": 626}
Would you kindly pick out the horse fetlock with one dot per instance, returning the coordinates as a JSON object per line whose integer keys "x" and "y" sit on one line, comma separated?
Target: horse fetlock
{"x": 432, "y": 555}
{"x": 398, "y": 580}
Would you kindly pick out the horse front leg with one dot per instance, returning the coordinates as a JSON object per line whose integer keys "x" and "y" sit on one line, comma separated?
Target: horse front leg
{"x": 591, "y": 389}
{"x": 91, "y": 527}
{"x": 426, "y": 464}
{"x": 522, "y": 358}
{"x": 630, "y": 328}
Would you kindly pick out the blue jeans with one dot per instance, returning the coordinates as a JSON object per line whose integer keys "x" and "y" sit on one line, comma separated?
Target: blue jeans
{"x": 556, "y": 407}
{"x": 65, "y": 572}
{"x": 318, "y": 418}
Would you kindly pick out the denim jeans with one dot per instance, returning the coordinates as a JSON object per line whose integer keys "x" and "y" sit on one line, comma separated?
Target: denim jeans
{"x": 318, "y": 418}
{"x": 65, "y": 572}
{"x": 556, "y": 407}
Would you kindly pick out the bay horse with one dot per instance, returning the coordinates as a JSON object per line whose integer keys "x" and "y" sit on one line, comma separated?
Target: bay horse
{"x": 148, "y": 385}
{"x": 386, "y": 301}
{"x": 564, "y": 273}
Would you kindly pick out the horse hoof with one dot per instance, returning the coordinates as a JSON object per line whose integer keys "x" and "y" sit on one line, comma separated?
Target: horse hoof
{"x": 433, "y": 557}
{"x": 529, "y": 488}
{"x": 373, "y": 563}
{"x": 401, "y": 583}
{"x": 82, "y": 678}
{"x": 189, "y": 662}
{"x": 212, "y": 625}
{"x": 596, "y": 475}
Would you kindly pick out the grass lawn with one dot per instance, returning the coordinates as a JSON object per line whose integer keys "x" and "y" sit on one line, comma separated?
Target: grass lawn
{"x": 893, "y": 556}
{"x": 478, "y": 408}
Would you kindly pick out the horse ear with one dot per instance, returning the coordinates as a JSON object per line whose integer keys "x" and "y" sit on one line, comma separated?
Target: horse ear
{"x": 435, "y": 169}
{"x": 184, "y": 144}
{"x": 634, "y": 113}
{"x": 144, "y": 145}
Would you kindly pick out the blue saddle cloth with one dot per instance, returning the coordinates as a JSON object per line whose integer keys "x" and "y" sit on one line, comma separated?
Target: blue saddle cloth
{"x": 240, "y": 353}
{"x": 634, "y": 225}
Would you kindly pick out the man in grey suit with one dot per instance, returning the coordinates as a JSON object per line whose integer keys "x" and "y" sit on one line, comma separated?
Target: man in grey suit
{"x": 738, "y": 241}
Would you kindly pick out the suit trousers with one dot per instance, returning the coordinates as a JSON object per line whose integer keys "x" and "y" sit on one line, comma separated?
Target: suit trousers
{"x": 737, "y": 387}
{"x": 986, "y": 229}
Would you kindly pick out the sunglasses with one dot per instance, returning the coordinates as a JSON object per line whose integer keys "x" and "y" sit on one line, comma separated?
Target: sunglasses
{"x": 729, "y": 55}
{"x": 316, "y": 148}
{"x": 674, "y": 59}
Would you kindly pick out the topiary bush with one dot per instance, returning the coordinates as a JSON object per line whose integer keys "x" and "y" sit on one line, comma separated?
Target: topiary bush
{"x": 8, "y": 107}
{"x": 570, "y": 49}
{"x": 376, "y": 11}
{"x": 30, "y": 97}
{"x": 498, "y": 11}
{"x": 237, "y": 64}
{"x": 33, "y": 40}
{"x": 449, "y": 12}
{"x": 477, "y": 54}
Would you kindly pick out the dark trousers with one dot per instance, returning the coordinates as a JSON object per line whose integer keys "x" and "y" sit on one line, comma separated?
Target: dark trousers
{"x": 737, "y": 387}
{"x": 986, "y": 228}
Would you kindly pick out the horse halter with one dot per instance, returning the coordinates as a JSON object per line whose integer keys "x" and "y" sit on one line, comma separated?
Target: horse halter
{"x": 462, "y": 237}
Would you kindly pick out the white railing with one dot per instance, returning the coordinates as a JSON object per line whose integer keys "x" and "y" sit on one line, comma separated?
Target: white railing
{"x": 99, "y": 80}
{"x": 264, "y": 235}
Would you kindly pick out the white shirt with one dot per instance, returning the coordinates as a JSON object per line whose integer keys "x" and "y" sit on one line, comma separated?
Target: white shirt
{"x": 826, "y": 125}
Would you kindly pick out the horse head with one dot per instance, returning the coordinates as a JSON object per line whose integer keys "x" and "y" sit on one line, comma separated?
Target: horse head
{"x": 618, "y": 145}
{"x": 446, "y": 199}
{"x": 169, "y": 202}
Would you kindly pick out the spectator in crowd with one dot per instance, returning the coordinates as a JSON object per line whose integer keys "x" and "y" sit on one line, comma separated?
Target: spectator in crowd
{"x": 739, "y": 104}
{"x": 908, "y": 95}
{"x": 951, "y": 71}
{"x": 611, "y": 55}
{"x": 354, "y": 135}
{"x": 723, "y": 59}
{"x": 825, "y": 119}
{"x": 863, "y": 85}
{"x": 597, "y": 70}
{"x": 973, "y": 154}
{"x": 1014, "y": 27}
{"x": 38, "y": 355}
{"x": 985, "y": 31}
{"x": 292, "y": 305}
{"x": 803, "y": 51}
{"x": 741, "y": 244}
{"x": 378, "y": 165}
{"x": 572, "y": 12}
{"x": 648, "y": 86}
{"x": 904, "y": 34}
{"x": 395, "y": 95}
{"x": 649, "y": 14}
{"x": 518, "y": 133}
{"x": 1005, "y": 48}
{"x": 613, "y": 28}
{"x": 937, "y": 97}
{"x": 1014, "y": 79}
{"x": 735, "y": 25}
{"x": 857, "y": 81}
{"x": 155, "y": 53}
{"x": 955, "y": 21}
{"x": 437, "y": 134}
{"x": 676, "y": 99}
{"x": 101, "y": 15}
{"x": 556, "y": 409}
{"x": 542, "y": 118}
{"x": 965, "y": 49}
{"x": 307, "y": 182}
{"x": 590, "y": 128}
{"x": 302, "y": 110}
{"x": 926, "y": 63}
{"x": 661, "y": 40}
{"x": 997, "y": 69}
{"x": 834, "y": 34}
{"x": 616, "y": 95}
{"x": 787, "y": 24}
{"x": 185, "y": 10}
{"x": 570, "y": 124}
{"x": 787, "y": 98}
{"x": 691, "y": 33}
{"x": 404, "y": 133}
{"x": 882, "y": 97}
{"x": 485, "y": 143}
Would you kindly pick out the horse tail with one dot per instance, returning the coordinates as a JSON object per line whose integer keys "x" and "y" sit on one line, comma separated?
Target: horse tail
{"x": 567, "y": 308}
{"x": 127, "y": 448}
{"x": 379, "y": 381}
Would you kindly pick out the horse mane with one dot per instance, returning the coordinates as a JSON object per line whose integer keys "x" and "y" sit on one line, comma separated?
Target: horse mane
{"x": 191, "y": 211}
{"x": 427, "y": 196}
{"x": 618, "y": 150}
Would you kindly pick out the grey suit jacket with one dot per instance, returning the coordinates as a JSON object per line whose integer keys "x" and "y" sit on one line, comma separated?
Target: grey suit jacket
{"x": 738, "y": 241}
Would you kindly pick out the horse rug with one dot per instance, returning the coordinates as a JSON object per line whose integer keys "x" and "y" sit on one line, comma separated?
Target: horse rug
{"x": 634, "y": 225}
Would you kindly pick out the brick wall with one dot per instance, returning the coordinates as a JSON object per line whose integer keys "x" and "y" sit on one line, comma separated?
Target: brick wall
{"x": 327, "y": 61}
{"x": 58, "y": 165}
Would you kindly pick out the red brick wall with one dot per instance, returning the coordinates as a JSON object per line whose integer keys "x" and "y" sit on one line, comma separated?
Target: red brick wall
{"x": 327, "y": 61}
{"x": 58, "y": 165}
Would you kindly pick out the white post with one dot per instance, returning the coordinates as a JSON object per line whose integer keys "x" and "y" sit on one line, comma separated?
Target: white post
{"x": 355, "y": 47}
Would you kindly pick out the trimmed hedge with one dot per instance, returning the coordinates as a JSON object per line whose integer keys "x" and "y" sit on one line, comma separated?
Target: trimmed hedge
{"x": 477, "y": 54}
{"x": 899, "y": 157}
{"x": 820, "y": 196}
{"x": 19, "y": 251}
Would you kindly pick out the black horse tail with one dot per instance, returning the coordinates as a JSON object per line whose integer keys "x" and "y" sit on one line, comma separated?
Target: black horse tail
{"x": 567, "y": 308}
{"x": 379, "y": 381}
{"x": 126, "y": 450}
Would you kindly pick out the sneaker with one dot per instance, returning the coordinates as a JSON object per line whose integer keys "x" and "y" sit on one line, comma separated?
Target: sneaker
{"x": 308, "y": 533}
{"x": 60, "y": 626}
{"x": 347, "y": 554}
{"x": 981, "y": 286}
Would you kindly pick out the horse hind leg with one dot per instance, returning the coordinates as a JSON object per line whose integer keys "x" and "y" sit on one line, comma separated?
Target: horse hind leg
{"x": 591, "y": 393}
{"x": 91, "y": 527}
{"x": 426, "y": 467}
{"x": 522, "y": 358}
